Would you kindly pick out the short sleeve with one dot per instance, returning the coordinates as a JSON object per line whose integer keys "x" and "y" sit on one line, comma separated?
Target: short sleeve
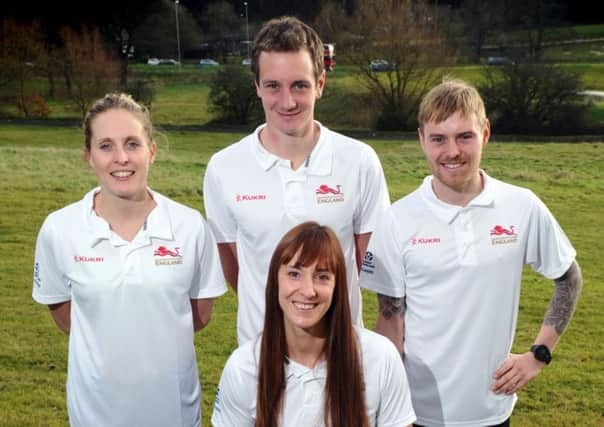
{"x": 374, "y": 197}
{"x": 395, "y": 401}
{"x": 235, "y": 404}
{"x": 209, "y": 279}
{"x": 383, "y": 270}
{"x": 50, "y": 284}
{"x": 219, "y": 217}
{"x": 548, "y": 250}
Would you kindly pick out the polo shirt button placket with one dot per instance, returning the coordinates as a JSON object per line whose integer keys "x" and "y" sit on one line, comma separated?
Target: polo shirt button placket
{"x": 467, "y": 250}
{"x": 294, "y": 185}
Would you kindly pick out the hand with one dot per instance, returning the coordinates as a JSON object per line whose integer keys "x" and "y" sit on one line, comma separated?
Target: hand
{"x": 515, "y": 371}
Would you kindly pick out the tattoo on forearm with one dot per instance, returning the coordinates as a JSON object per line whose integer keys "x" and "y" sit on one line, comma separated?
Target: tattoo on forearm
{"x": 564, "y": 301}
{"x": 390, "y": 306}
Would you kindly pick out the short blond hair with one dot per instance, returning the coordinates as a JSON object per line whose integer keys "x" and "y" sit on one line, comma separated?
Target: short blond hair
{"x": 449, "y": 97}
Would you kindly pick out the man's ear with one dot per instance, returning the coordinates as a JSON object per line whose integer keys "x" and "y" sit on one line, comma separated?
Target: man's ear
{"x": 486, "y": 133}
{"x": 321, "y": 84}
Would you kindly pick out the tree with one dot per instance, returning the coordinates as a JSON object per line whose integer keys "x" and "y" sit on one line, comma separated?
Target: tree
{"x": 119, "y": 21}
{"x": 233, "y": 95}
{"x": 534, "y": 98}
{"x": 156, "y": 36}
{"x": 401, "y": 34}
{"x": 534, "y": 16}
{"x": 21, "y": 52}
{"x": 89, "y": 69}
{"x": 479, "y": 20}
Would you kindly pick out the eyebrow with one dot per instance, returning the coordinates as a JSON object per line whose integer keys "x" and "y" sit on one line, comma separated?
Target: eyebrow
{"x": 465, "y": 132}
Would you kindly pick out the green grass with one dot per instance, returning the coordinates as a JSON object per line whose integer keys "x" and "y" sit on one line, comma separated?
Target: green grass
{"x": 585, "y": 52}
{"x": 41, "y": 169}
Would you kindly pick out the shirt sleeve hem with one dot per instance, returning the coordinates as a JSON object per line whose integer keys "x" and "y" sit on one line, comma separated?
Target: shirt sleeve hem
{"x": 44, "y": 299}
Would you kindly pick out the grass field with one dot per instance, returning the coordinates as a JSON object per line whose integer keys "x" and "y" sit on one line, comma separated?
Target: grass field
{"x": 41, "y": 170}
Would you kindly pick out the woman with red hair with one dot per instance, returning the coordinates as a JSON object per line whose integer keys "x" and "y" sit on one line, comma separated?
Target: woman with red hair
{"x": 310, "y": 366}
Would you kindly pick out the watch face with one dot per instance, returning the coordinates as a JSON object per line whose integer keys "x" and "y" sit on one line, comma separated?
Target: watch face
{"x": 542, "y": 353}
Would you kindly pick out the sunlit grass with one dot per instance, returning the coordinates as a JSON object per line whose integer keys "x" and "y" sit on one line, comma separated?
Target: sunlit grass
{"x": 41, "y": 170}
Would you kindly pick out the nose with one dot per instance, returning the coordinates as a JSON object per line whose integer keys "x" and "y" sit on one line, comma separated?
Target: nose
{"x": 120, "y": 155}
{"x": 288, "y": 101}
{"x": 307, "y": 287}
{"x": 452, "y": 148}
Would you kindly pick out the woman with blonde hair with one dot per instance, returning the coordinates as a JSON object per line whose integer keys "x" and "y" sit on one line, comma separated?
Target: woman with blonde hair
{"x": 129, "y": 275}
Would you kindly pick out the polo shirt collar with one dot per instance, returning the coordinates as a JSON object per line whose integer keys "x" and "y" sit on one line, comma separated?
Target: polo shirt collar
{"x": 304, "y": 373}
{"x": 447, "y": 212}
{"x": 318, "y": 163}
{"x": 158, "y": 224}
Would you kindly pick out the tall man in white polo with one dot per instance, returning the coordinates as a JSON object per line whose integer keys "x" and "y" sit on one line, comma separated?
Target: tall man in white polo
{"x": 446, "y": 262}
{"x": 290, "y": 170}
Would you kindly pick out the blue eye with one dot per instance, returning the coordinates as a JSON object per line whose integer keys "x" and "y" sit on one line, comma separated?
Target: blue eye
{"x": 133, "y": 144}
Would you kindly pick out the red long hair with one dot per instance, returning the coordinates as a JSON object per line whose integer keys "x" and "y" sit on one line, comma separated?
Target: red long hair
{"x": 345, "y": 387}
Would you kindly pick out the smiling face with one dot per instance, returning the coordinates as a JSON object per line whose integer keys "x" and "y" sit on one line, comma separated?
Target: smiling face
{"x": 120, "y": 154}
{"x": 453, "y": 149}
{"x": 305, "y": 295}
{"x": 288, "y": 90}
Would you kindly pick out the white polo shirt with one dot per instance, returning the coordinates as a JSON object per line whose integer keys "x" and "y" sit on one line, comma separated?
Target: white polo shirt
{"x": 253, "y": 198}
{"x": 460, "y": 270}
{"x": 131, "y": 346}
{"x": 386, "y": 390}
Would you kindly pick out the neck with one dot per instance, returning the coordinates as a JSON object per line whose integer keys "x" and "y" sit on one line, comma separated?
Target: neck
{"x": 295, "y": 148}
{"x": 125, "y": 216}
{"x": 458, "y": 196}
{"x": 304, "y": 347}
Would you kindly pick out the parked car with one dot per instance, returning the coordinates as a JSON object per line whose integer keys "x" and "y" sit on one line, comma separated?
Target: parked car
{"x": 246, "y": 61}
{"x": 329, "y": 56}
{"x": 207, "y": 62}
{"x": 499, "y": 60}
{"x": 168, "y": 62}
{"x": 380, "y": 65}
{"x": 158, "y": 61}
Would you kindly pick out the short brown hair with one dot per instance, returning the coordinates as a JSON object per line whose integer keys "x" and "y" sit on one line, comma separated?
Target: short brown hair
{"x": 449, "y": 97}
{"x": 116, "y": 101}
{"x": 287, "y": 34}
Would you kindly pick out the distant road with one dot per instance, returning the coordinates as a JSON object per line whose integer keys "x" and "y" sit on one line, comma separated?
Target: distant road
{"x": 598, "y": 93}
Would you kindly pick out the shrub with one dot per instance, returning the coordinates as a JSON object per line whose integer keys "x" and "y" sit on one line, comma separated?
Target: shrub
{"x": 534, "y": 99}
{"x": 33, "y": 106}
{"x": 142, "y": 91}
{"x": 233, "y": 95}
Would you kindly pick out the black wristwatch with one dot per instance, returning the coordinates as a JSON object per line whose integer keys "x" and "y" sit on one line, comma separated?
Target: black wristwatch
{"x": 542, "y": 353}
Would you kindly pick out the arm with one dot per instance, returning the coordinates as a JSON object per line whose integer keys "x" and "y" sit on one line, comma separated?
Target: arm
{"x": 61, "y": 313}
{"x": 391, "y": 320}
{"x": 519, "y": 369}
{"x": 230, "y": 265}
{"x": 202, "y": 312}
{"x": 361, "y": 241}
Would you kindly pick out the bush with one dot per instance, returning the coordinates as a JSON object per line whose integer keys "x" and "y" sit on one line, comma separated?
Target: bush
{"x": 233, "y": 95}
{"x": 33, "y": 106}
{"x": 142, "y": 91}
{"x": 534, "y": 99}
